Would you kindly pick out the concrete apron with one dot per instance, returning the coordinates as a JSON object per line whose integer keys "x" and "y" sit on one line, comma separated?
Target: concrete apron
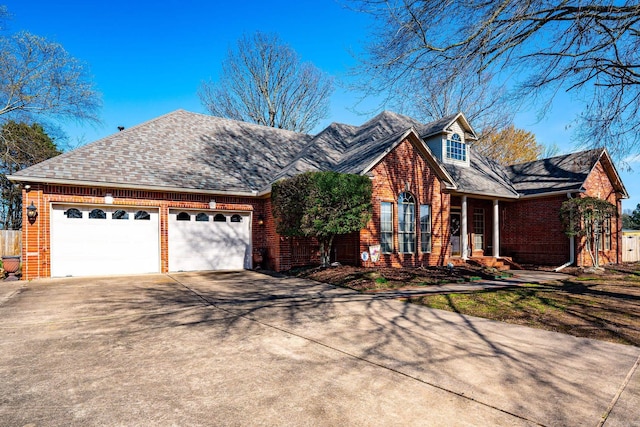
{"x": 244, "y": 348}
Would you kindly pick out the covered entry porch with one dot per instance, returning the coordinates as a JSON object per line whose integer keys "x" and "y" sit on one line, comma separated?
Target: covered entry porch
{"x": 475, "y": 225}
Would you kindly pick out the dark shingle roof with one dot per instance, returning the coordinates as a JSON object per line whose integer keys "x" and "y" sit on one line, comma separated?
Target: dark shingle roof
{"x": 350, "y": 149}
{"x": 180, "y": 150}
{"x": 561, "y": 173}
{"x": 190, "y": 151}
{"x": 482, "y": 176}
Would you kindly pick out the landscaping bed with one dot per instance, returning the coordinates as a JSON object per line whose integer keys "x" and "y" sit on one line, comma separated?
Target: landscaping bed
{"x": 603, "y": 306}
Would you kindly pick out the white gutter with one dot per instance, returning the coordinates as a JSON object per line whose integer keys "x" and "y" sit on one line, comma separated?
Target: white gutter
{"x": 572, "y": 249}
{"x": 551, "y": 193}
{"x": 55, "y": 181}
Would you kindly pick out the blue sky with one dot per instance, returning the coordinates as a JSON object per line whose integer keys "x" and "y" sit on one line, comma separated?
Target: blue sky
{"x": 148, "y": 58}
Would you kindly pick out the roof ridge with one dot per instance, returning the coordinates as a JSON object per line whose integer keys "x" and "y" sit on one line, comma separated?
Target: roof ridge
{"x": 243, "y": 123}
{"x": 575, "y": 153}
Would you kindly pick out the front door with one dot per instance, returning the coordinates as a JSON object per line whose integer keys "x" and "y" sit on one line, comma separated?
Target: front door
{"x": 455, "y": 234}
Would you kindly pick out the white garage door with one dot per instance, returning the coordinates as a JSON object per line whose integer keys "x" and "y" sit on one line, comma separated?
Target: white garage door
{"x": 98, "y": 240}
{"x": 209, "y": 241}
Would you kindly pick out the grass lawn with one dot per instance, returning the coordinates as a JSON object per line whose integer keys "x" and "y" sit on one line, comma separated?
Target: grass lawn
{"x": 605, "y": 306}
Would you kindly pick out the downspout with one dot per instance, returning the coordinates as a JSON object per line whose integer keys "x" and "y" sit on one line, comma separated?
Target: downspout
{"x": 572, "y": 248}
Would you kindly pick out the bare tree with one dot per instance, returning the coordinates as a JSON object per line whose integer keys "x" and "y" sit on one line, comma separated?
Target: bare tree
{"x": 39, "y": 77}
{"x": 263, "y": 81}
{"x": 538, "y": 47}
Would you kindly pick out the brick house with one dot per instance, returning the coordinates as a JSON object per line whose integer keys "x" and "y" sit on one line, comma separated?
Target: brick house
{"x": 188, "y": 191}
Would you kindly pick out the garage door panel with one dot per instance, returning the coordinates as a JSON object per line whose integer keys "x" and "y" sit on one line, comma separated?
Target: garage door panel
{"x": 209, "y": 245}
{"x": 92, "y": 246}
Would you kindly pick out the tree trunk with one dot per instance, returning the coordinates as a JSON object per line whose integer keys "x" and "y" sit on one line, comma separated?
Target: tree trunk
{"x": 325, "y": 251}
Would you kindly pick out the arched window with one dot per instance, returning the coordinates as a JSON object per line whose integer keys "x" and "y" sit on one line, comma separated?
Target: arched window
{"x": 236, "y": 218}
{"x": 406, "y": 223}
{"x": 120, "y": 214}
{"x": 142, "y": 215}
{"x": 97, "y": 214}
{"x": 183, "y": 216}
{"x": 202, "y": 217}
{"x": 219, "y": 218}
{"x": 73, "y": 213}
{"x": 456, "y": 149}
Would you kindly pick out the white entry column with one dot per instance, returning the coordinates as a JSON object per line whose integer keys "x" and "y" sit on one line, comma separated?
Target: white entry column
{"x": 463, "y": 232}
{"x": 496, "y": 229}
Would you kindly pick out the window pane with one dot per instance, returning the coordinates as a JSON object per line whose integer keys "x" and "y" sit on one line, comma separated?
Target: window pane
{"x": 120, "y": 214}
{"x": 406, "y": 223}
{"x": 386, "y": 227}
{"x": 478, "y": 229}
{"x": 219, "y": 218}
{"x": 183, "y": 216}
{"x": 456, "y": 149}
{"x": 202, "y": 217}
{"x": 425, "y": 228}
{"x": 236, "y": 218}
{"x": 97, "y": 214}
{"x": 142, "y": 215}
{"x": 73, "y": 213}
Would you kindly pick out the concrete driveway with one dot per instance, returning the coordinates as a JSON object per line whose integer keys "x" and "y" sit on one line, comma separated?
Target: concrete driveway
{"x": 249, "y": 349}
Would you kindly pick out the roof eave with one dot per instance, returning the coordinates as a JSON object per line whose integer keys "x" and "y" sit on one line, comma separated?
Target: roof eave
{"x": 553, "y": 193}
{"x": 485, "y": 194}
{"x": 616, "y": 176}
{"x": 57, "y": 181}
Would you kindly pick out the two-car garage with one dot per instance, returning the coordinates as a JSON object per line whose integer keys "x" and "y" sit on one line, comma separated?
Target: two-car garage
{"x": 108, "y": 239}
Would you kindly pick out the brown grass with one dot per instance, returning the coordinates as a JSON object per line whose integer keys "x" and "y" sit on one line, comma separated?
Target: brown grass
{"x": 604, "y": 306}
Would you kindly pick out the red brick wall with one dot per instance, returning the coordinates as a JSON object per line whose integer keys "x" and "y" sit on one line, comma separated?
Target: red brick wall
{"x": 36, "y": 235}
{"x": 531, "y": 232}
{"x": 599, "y": 185}
{"x": 401, "y": 170}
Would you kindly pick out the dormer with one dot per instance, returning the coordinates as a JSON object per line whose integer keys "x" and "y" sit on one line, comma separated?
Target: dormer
{"x": 449, "y": 139}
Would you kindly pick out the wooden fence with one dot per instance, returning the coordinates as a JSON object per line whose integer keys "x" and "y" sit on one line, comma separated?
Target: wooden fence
{"x": 10, "y": 242}
{"x": 630, "y": 248}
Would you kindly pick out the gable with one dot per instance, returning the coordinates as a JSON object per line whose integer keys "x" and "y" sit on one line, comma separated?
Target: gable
{"x": 562, "y": 174}
{"x": 406, "y": 167}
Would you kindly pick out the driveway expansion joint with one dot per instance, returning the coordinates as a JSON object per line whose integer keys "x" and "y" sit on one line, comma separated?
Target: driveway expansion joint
{"x": 623, "y": 386}
{"x": 354, "y": 356}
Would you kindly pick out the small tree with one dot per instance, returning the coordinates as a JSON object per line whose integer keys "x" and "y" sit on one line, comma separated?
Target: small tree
{"x": 322, "y": 205}
{"x": 585, "y": 216}
{"x": 21, "y": 145}
{"x": 510, "y": 146}
{"x": 635, "y": 218}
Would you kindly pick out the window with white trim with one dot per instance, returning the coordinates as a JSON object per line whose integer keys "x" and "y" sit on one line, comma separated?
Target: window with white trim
{"x": 456, "y": 149}
{"x": 478, "y": 229}
{"x": 425, "y": 228}
{"x": 406, "y": 223}
{"x": 386, "y": 227}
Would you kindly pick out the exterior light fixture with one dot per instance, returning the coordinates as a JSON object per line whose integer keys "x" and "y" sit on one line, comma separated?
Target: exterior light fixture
{"x": 32, "y": 211}
{"x": 260, "y": 219}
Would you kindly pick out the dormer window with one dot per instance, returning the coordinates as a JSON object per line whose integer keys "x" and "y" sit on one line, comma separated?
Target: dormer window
{"x": 456, "y": 149}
